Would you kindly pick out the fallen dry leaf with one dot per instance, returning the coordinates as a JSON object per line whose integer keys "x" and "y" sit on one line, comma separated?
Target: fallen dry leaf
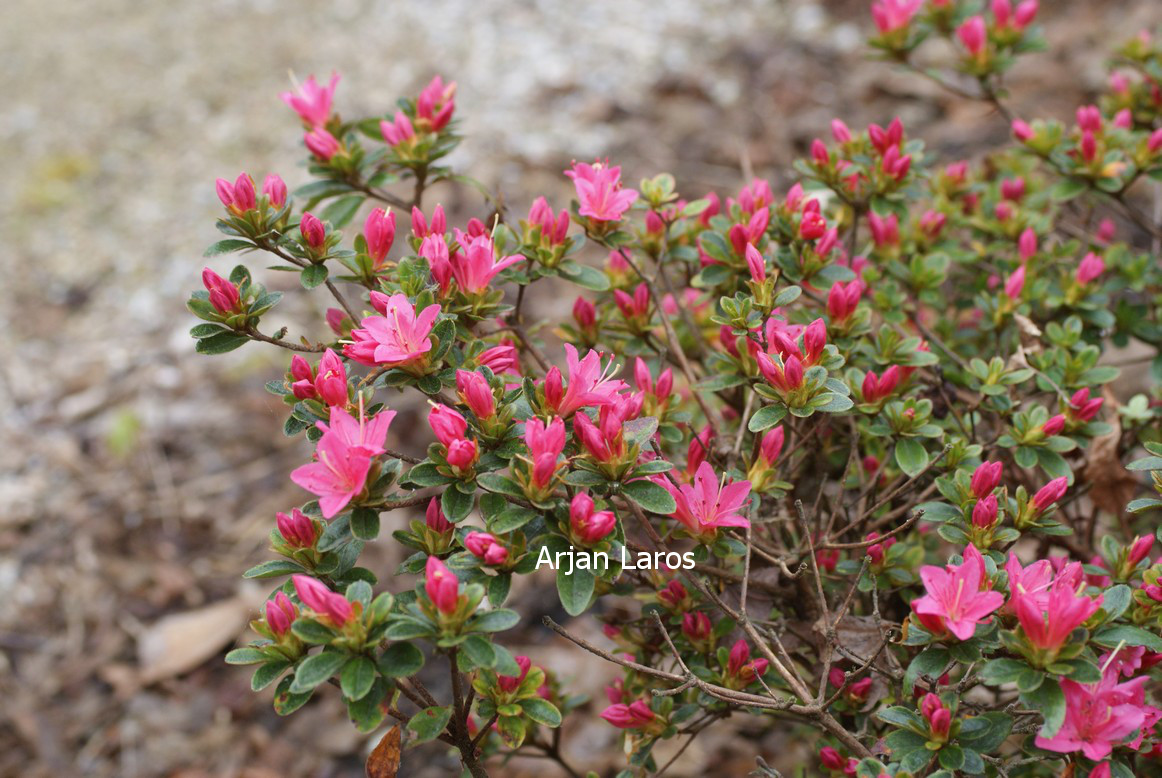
{"x": 180, "y": 642}
{"x": 384, "y": 760}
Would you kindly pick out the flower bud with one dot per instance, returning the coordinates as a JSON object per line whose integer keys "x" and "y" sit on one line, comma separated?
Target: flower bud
{"x": 510, "y": 683}
{"x": 1015, "y": 283}
{"x": 984, "y": 514}
{"x": 1022, "y": 131}
{"x": 434, "y": 517}
{"x": 812, "y": 226}
{"x": 322, "y": 144}
{"x": 476, "y": 393}
{"x": 447, "y": 424}
{"x": 379, "y": 233}
{"x": 756, "y": 264}
{"x": 223, "y": 294}
{"x": 985, "y": 478}
{"x": 589, "y": 526}
{"x": 696, "y": 626}
{"x": 442, "y": 586}
{"x": 486, "y": 548}
{"x": 1140, "y": 549}
{"x": 313, "y": 231}
{"x": 840, "y": 132}
{"x": 584, "y": 313}
{"x": 1054, "y": 426}
{"x": 1089, "y": 268}
{"x": 326, "y": 603}
{"x": 462, "y": 453}
{"x": 280, "y": 614}
{"x": 1027, "y": 244}
{"x": 973, "y": 35}
{"x": 673, "y": 594}
{"x": 297, "y": 529}
{"x": 1050, "y": 493}
{"x": 275, "y": 190}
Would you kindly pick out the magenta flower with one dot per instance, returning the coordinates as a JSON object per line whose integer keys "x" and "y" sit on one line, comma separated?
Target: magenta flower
{"x": 589, "y": 526}
{"x": 1050, "y": 493}
{"x": 297, "y": 529}
{"x": 892, "y": 15}
{"x": 280, "y": 614}
{"x": 633, "y": 716}
{"x": 842, "y": 300}
{"x": 448, "y": 424}
{"x": 545, "y": 442}
{"x": 223, "y": 294}
{"x": 486, "y": 548}
{"x": 973, "y": 34}
{"x": 398, "y": 337}
{"x": 1047, "y": 620}
{"x": 1089, "y": 269}
{"x": 322, "y": 144}
{"x": 1082, "y": 407}
{"x": 1015, "y": 283}
{"x": 1099, "y": 716}
{"x": 510, "y": 683}
{"x": 364, "y": 435}
{"x": 312, "y": 102}
{"x": 740, "y": 667}
{"x": 238, "y": 197}
{"x": 442, "y": 586}
{"x": 984, "y": 513}
{"x": 589, "y": 384}
{"x": 600, "y": 192}
{"x": 331, "y": 607}
{"x": 696, "y": 626}
{"x": 397, "y": 131}
{"x": 708, "y": 504}
{"x": 275, "y": 190}
{"x": 434, "y": 517}
{"x": 475, "y": 392}
{"x": 476, "y": 266}
{"x": 554, "y": 229}
{"x": 330, "y": 381}
{"x": 985, "y": 478}
{"x": 954, "y": 601}
{"x": 313, "y": 232}
{"x": 339, "y": 473}
{"x": 435, "y": 104}
{"x": 379, "y": 233}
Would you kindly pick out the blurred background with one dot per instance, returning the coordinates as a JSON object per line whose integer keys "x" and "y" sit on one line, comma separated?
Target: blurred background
{"x": 138, "y": 480}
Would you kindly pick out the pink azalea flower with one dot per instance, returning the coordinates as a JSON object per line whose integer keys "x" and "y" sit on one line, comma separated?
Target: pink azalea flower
{"x": 707, "y": 504}
{"x": 275, "y": 190}
{"x": 954, "y": 600}
{"x": 1030, "y": 582}
{"x": 599, "y": 190}
{"x": 339, "y": 473}
{"x": 588, "y": 525}
{"x": 312, "y": 102}
{"x": 364, "y": 435}
{"x": 224, "y": 295}
{"x": 892, "y": 15}
{"x": 297, "y": 529}
{"x": 1047, "y": 621}
{"x": 435, "y": 105}
{"x": 476, "y": 266}
{"x": 238, "y": 197}
{"x": 545, "y": 442}
{"x": 589, "y": 384}
{"x": 1099, "y": 716}
{"x": 397, "y": 131}
{"x": 398, "y": 337}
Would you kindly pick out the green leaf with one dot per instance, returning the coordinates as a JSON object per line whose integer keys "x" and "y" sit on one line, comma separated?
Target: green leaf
{"x": 342, "y": 211}
{"x": 495, "y": 482}
{"x": 227, "y": 246}
{"x": 267, "y": 674}
{"x": 498, "y": 587}
{"x": 286, "y": 701}
{"x": 429, "y": 723}
{"x": 274, "y": 568}
{"x": 312, "y": 276}
{"x": 1068, "y": 188}
{"x": 456, "y": 504}
{"x": 584, "y": 276}
{"x": 495, "y": 620}
{"x": 650, "y": 497}
{"x": 898, "y": 715}
{"x": 911, "y": 456}
{"x": 541, "y": 711}
{"x": 365, "y": 523}
{"x": 1050, "y": 701}
{"x": 575, "y": 590}
{"x": 401, "y": 660}
{"x": 248, "y": 655}
{"x": 357, "y": 677}
{"x": 765, "y": 418}
{"x": 1131, "y": 635}
{"x": 316, "y": 669}
{"x": 951, "y": 757}
{"x": 513, "y": 517}
{"x": 929, "y": 662}
{"x": 220, "y": 343}
{"x": 479, "y": 651}
{"x": 986, "y": 732}
{"x": 1001, "y": 671}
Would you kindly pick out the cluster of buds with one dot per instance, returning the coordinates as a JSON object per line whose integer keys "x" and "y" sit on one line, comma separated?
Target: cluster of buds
{"x": 635, "y": 308}
{"x": 876, "y": 390}
{"x": 451, "y": 430}
{"x": 877, "y": 551}
{"x": 856, "y": 692}
{"x": 675, "y": 596}
{"x": 297, "y": 532}
{"x": 487, "y": 548}
{"x": 637, "y": 715}
{"x": 605, "y": 442}
{"x": 447, "y": 602}
{"x": 587, "y": 525}
{"x": 242, "y": 201}
{"x": 280, "y": 614}
{"x": 545, "y": 235}
{"x": 655, "y": 394}
{"x": 741, "y": 671}
{"x": 938, "y": 716}
{"x": 830, "y": 759}
{"x": 328, "y": 383}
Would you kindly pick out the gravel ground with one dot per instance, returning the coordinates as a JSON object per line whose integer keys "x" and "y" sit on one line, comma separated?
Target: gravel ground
{"x": 138, "y": 480}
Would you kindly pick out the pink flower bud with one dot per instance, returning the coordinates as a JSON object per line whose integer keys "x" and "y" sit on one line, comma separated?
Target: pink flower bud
{"x": 442, "y": 586}
{"x": 973, "y": 34}
{"x": 836, "y": 677}
{"x": 696, "y": 626}
{"x": 1054, "y": 426}
{"x": 331, "y": 379}
{"x": 633, "y": 716}
{"x": 275, "y": 190}
{"x": 554, "y": 388}
{"x": 819, "y": 153}
{"x": 313, "y": 231}
{"x": 1025, "y": 13}
{"x": 1015, "y": 283}
{"x": 297, "y": 529}
{"x": 326, "y": 603}
{"x": 793, "y": 371}
{"x": 434, "y": 517}
{"x": 932, "y": 224}
{"x": 589, "y": 526}
{"x": 756, "y": 264}
{"x": 461, "y": 453}
{"x": 510, "y": 683}
{"x": 322, "y": 144}
{"x": 860, "y": 689}
{"x": 485, "y": 547}
{"x": 771, "y": 445}
{"x": 1123, "y": 119}
{"x": 885, "y": 230}
{"x": 1022, "y": 131}
{"x": 1013, "y": 189}
{"x": 985, "y": 478}
{"x": 830, "y": 759}
{"x": 476, "y": 393}
{"x": 1089, "y": 118}
{"x": 584, "y": 313}
{"x": 1106, "y": 229}
{"x": 812, "y": 226}
{"x": 280, "y": 614}
{"x": 1002, "y": 12}
{"x": 1027, "y": 244}
{"x": 312, "y": 102}
{"x": 447, "y": 424}
{"x": 1154, "y": 144}
{"x": 379, "y": 233}
{"x": 840, "y": 132}
{"x": 1140, "y": 549}
{"x": 1090, "y": 268}
{"x": 338, "y": 321}
{"x": 673, "y": 594}
{"x": 1050, "y": 493}
{"x": 814, "y": 339}
{"x": 984, "y": 514}
{"x": 397, "y": 131}
{"x": 842, "y": 300}
{"x": 223, "y": 294}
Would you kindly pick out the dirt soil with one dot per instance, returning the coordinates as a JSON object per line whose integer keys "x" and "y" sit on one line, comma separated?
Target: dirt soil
{"x": 137, "y": 480}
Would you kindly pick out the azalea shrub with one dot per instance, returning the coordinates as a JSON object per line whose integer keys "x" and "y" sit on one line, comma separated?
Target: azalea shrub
{"x": 843, "y": 459}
